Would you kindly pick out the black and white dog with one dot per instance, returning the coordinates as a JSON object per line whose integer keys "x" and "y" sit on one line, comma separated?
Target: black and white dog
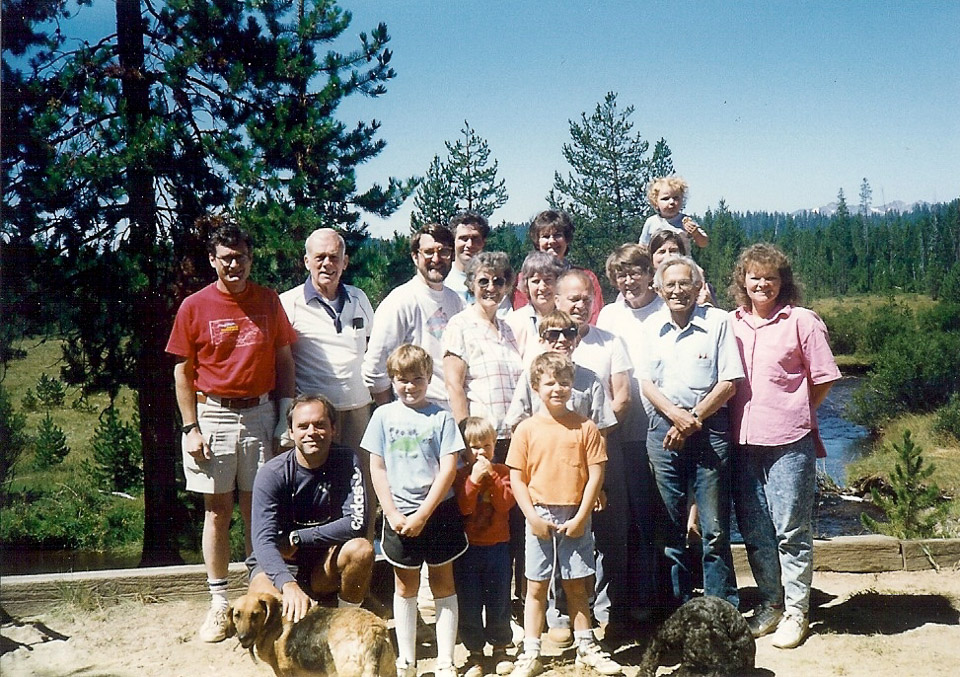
{"x": 711, "y": 637}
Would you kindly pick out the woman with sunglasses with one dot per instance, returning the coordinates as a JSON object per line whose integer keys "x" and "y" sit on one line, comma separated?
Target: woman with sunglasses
{"x": 481, "y": 358}
{"x": 538, "y": 279}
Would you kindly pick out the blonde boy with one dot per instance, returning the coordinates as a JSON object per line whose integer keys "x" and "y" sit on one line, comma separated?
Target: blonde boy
{"x": 482, "y": 575}
{"x": 668, "y": 195}
{"x": 413, "y": 446}
{"x": 556, "y": 462}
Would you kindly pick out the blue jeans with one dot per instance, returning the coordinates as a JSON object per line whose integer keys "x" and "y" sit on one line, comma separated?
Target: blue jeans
{"x": 482, "y": 577}
{"x": 703, "y": 467}
{"x": 641, "y": 575}
{"x": 774, "y": 494}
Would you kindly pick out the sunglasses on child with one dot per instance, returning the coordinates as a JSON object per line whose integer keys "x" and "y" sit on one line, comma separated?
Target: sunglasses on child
{"x": 553, "y": 335}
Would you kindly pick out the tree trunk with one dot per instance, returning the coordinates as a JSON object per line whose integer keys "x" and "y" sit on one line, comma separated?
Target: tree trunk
{"x": 153, "y": 324}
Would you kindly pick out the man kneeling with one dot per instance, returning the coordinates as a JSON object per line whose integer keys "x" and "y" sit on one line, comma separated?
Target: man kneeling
{"x": 309, "y": 516}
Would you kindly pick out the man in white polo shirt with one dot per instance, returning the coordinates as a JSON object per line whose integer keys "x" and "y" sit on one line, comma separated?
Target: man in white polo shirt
{"x": 333, "y": 323}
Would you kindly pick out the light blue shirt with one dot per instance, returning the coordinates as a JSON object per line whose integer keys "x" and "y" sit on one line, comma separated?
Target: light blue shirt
{"x": 411, "y": 442}
{"x": 685, "y": 364}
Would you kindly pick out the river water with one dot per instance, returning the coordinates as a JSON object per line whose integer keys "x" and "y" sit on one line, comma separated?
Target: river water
{"x": 844, "y": 442}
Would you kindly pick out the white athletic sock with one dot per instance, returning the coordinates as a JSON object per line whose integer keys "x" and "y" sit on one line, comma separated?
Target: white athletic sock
{"x": 448, "y": 611}
{"x": 531, "y": 645}
{"x": 344, "y": 604}
{"x": 405, "y": 623}
{"x": 584, "y": 638}
{"x": 218, "y": 593}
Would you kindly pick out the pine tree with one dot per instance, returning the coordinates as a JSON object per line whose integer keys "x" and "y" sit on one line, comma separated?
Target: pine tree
{"x": 434, "y": 201}
{"x": 472, "y": 177}
{"x": 465, "y": 181}
{"x": 610, "y": 171}
{"x": 116, "y": 452}
{"x": 915, "y": 510}
{"x": 50, "y": 444}
{"x": 606, "y": 190}
{"x": 187, "y": 108}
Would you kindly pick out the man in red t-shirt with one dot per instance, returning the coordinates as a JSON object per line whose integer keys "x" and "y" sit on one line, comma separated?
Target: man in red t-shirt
{"x": 232, "y": 340}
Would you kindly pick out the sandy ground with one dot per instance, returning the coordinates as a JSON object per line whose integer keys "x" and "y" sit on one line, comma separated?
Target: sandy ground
{"x": 904, "y": 623}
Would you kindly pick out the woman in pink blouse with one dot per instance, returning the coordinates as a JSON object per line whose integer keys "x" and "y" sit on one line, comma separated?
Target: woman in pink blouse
{"x": 789, "y": 370}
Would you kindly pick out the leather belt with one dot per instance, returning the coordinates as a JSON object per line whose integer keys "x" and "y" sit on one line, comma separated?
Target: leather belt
{"x": 233, "y": 402}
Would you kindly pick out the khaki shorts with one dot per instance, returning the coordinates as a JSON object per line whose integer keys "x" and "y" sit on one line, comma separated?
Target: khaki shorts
{"x": 240, "y": 442}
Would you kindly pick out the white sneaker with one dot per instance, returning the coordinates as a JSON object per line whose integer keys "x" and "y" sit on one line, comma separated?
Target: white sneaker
{"x": 591, "y": 655}
{"x": 214, "y": 628}
{"x": 527, "y": 665}
{"x": 792, "y": 630}
{"x": 406, "y": 669}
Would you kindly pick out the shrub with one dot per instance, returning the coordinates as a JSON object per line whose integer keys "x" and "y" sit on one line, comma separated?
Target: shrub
{"x": 116, "y": 452}
{"x": 13, "y": 438}
{"x": 29, "y": 401}
{"x": 884, "y": 324}
{"x": 914, "y": 372}
{"x": 915, "y": 510}
{"x": 844, "y": 329}
{"x": 50, "y": 391}
{"x": 948, "y": 417}
{"x": 77, "y": 516}
{"x": 50, "y": 445}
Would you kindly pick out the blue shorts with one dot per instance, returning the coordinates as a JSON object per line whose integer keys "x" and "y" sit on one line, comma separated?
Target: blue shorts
{"x": 574, "y": 557}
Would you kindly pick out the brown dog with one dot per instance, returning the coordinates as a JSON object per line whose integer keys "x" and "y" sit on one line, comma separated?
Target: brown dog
{"x": 336, "y": 642}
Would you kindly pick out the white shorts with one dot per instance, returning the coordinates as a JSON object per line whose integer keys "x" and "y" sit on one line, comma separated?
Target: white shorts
{"x": 240, "y": 440}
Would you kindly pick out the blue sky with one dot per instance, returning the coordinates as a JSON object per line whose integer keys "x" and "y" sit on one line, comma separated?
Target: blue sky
{"x": 768, "y": 105}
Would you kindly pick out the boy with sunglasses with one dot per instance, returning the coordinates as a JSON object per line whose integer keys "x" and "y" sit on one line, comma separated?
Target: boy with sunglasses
{"x": 559, "y": 334}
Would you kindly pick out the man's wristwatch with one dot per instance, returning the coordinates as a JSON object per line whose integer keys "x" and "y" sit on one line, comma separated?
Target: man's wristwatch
{"x": 295, "y": 539}
{"x": 693, "y": 412}
{"x": 190, "y": 426}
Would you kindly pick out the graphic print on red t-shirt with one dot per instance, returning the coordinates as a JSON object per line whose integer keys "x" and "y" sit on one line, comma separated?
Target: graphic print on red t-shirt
{"x": 238, "y": 332}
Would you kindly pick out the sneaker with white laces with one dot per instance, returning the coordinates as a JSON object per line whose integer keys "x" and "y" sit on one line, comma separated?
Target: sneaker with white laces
{"x": 591, "y": 655}
{"x": 406, "y": 669}
{"x": 792, "y": 630}
{"x": 527, "y": 665}
{"x": 560, "y": 637}
{"x": 214, "y": 628}
{"x": 764, "y": 619}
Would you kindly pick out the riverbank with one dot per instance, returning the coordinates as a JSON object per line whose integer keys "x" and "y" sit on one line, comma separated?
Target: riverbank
{"x": 863, "y": 625}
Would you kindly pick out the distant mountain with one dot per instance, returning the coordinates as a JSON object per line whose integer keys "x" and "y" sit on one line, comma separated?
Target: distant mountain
{"x": 830, "y": 208}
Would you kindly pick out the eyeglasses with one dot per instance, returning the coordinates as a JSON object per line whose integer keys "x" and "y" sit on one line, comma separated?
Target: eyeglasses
{"x": 635, "y": 273}
{"x": 239, "y": 259}
{"x": 682, "y": 285}
{"x": 496, "y": 283}
{"x": 442, "y": 252}
{"x": 553, "y": 335}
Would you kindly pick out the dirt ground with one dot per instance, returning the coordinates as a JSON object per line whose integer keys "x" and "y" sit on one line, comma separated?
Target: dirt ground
{"x": 903, "y": 623}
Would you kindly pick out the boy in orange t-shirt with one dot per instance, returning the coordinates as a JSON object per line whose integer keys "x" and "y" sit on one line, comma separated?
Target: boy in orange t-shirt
{"x": 556, "y": 461}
